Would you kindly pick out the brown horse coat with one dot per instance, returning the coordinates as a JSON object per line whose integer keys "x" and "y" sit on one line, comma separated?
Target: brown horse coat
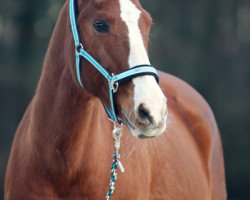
{"x": 63, "y": 145}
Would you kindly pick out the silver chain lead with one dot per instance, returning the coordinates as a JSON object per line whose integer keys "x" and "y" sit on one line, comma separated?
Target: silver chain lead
{"x": 117, "y": 133}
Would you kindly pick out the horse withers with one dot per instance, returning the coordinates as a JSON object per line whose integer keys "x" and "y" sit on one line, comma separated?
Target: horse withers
{"x": 63, "y": 146}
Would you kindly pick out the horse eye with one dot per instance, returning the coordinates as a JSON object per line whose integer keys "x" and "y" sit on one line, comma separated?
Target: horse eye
{"x": 101, "y": 26}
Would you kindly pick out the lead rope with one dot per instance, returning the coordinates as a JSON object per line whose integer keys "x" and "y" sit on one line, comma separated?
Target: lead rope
{"x": 117, "y": 133}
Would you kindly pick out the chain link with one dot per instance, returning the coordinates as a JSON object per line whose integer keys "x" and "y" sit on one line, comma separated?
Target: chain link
{"x": 117, "y": 133}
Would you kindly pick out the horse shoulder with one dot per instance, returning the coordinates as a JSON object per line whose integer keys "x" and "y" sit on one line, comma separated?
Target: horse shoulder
{"x": 188, "y": 105}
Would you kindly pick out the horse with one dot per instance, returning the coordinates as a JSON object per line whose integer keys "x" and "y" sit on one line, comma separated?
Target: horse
{"x": 170, "y": 147}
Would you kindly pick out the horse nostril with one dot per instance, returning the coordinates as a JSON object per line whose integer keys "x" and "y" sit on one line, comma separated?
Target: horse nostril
{"x": 144, "y": 114}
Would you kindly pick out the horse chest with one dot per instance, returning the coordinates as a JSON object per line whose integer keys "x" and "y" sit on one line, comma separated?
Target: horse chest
{"x": 133, "y": 184}
{"x": 165, "y": 178}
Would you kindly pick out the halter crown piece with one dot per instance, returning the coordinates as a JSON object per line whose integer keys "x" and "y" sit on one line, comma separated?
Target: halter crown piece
{"x": 114, "y": 81}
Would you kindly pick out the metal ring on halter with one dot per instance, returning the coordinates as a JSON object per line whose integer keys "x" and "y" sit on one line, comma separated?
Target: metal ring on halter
{"x": 79, "y": 47}
{"x": 115, "y": 85}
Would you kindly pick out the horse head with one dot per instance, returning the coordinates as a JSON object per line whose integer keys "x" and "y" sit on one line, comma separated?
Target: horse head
{"x": 115, "y": 33}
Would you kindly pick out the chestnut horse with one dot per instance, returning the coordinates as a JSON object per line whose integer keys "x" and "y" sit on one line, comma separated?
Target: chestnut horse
{"x": 63, "y": 146}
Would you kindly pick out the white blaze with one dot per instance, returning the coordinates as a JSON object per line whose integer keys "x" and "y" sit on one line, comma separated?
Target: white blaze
{"x": 146, "y": 90}
{"x": 131, "y": 15}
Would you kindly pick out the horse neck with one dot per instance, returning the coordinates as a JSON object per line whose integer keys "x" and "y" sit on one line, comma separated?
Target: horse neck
{"x": 65, "y": 117}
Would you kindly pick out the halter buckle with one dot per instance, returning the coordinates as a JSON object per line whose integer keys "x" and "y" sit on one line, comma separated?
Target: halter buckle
{"x": 78, "y": 47}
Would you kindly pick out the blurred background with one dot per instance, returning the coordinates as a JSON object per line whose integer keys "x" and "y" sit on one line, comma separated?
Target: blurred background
{"x": 206, "y": 43}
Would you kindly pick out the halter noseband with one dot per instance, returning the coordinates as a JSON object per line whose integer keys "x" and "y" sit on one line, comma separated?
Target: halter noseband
{"x": 113, "y": 80}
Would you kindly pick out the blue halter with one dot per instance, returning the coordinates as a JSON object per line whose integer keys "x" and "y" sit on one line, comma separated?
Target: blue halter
{"x": 113, "y": 80}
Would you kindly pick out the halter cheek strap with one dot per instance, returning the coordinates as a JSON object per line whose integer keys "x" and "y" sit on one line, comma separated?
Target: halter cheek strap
{"x": 113, "y": 80}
